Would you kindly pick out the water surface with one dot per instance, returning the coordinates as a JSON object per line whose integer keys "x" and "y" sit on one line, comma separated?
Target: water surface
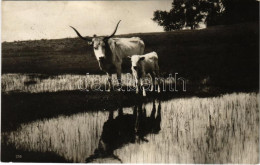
{"x": 222, "y": 129}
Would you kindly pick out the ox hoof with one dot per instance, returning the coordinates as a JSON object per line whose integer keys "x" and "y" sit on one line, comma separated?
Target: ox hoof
{"x": 120, "y": 90}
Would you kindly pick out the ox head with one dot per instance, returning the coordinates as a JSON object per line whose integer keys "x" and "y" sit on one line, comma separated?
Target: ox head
{"x": 99, "y": 43}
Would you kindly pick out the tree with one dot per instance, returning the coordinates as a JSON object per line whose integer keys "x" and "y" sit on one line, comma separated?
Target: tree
{"x": 184, "y": 13}
{"x": 213, "y": 10}
{"x": 194, "y": 14}
{"x": 189, "y": 13}
{"x": 175, "y": 19}
{"x": 240, "y": 11}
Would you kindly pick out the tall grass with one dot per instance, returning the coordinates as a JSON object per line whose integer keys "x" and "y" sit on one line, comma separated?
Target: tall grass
{"x": 36, "y": 83}
{"x": 66, "y": 82}
{"x": 221, "y": 129}
{"x": 209, "y": 130}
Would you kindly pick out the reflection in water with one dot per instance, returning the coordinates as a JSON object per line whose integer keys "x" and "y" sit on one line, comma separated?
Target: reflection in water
{"x": 71, "y": 137}
{"x": 126, "y": 128}
{"x": 221, "y": 129}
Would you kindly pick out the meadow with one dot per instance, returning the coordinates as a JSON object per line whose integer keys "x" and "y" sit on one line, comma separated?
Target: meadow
{"x": 221, "y": 129}
{"x": 225, "y": 55}
{"x": 37, "y": 83}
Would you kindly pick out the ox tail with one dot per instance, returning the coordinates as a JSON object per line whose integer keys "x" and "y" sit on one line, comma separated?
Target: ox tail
{"x": 142, "y": 47}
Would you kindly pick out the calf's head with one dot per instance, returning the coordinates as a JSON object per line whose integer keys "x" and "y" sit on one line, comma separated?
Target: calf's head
{"x": 136, "y": 62}
{"x": 99, "y": 43}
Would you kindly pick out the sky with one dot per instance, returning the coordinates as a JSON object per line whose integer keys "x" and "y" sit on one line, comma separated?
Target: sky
{"x": 29, "y": 20}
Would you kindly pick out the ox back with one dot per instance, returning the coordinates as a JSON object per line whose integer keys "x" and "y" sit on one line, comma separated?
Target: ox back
{"x": 121, "y": 48}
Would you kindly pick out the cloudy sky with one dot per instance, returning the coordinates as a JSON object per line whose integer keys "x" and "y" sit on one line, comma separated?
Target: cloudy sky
{"x": 45, "y": 20}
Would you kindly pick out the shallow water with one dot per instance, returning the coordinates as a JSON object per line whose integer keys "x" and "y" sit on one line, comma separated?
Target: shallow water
{"x": 221, "y": 129}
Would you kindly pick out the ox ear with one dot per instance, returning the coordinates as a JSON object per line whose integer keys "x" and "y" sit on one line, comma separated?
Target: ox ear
{"x": 141, "y": 59}
{"x": 129, "y": 57}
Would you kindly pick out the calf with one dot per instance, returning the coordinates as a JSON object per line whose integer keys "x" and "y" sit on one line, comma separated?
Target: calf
{"x": 143, "y": 65}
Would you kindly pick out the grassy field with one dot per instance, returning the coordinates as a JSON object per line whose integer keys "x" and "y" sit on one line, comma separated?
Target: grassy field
{"x": 227, "y": 56}
{"x": 223, "y": 129}
{"x": 36, "y": 83}
{"x": 46, "y": 114}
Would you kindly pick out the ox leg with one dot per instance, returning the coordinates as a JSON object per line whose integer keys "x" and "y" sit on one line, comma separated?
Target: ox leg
{"x": 153, "y": 81}
{"x": 118, "y": 74}
{"x": 111, "y": 114}
{"x": 120, "y": 111}
{"x": 158, "y": 83}
{"x": 142, "y": 84}
{"x": 158, "y": 118}
{"x": 109, "y": 77}
{"x": 159, "y": 110}
{"x": 135, "y": 118}
{"x": 153, "y": 110}
{"x": 136, "y": 81}
{"x": 137, "y": 84}
{"x": 158, "y": 79}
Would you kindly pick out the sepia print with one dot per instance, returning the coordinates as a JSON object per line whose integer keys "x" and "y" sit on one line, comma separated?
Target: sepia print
{"x": 174, "y": 81}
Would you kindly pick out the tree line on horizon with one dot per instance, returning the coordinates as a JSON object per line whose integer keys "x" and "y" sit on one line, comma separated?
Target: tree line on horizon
{"x": 190, "y": 13}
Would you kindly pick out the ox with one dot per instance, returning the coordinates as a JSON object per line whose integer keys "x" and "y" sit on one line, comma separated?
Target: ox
{"x": 126, "y": 128}
{"x": 110, "y": 52}
{"x": 143, "y": 65}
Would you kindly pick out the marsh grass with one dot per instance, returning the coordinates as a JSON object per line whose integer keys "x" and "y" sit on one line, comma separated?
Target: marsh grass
{"x": 222, "y": 129}
{"x": 36, "y": 83}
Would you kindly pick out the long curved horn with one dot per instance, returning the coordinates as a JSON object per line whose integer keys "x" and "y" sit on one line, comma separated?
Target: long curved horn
{"x": 84, "y": 38}
{"x": 114, "y": 31}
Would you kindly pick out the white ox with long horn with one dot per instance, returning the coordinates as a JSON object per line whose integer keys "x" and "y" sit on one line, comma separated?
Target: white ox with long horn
{"x": 110, "y": 52}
